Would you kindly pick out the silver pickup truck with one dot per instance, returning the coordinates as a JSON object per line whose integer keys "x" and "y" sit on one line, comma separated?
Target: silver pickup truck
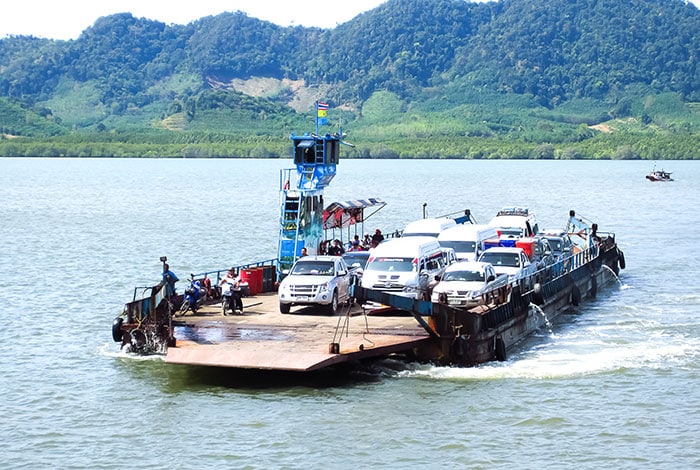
{"x": 316, "y": 280}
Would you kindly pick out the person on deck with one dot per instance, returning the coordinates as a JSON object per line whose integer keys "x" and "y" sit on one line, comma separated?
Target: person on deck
{"x": 377, "y": 238}
{"x": 206, "y": 285}
{"x": 169, "y": 280}
{"x": 231, "y": 287}
{"x": 367, "y": 242}
{"x": 337, "y": 248}
{"x": 355, "y": 246}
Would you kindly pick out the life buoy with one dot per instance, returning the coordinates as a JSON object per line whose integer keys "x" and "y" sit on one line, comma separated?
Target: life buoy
{"x": 621, "y": 259}
{"x": 575, "y": 296}
{"x": 500, "y": 350}
{"x": 117, "y": 329}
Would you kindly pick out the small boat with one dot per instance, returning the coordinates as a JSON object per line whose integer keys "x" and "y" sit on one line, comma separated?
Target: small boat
{"x": 659, "y": 175}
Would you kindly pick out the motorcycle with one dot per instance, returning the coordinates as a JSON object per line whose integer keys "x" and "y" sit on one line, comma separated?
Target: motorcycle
{"x": 231, "y": 298}
{"x": 193, "y": 297}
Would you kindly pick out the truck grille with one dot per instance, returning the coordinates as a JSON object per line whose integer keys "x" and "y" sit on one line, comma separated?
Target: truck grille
{"x": 307, "y": 290}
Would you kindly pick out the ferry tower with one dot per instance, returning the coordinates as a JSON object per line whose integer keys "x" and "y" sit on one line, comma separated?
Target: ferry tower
{"x": 301, "y": 196}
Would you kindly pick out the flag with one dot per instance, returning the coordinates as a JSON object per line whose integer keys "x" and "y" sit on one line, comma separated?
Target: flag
{"x": 321, "y": 112}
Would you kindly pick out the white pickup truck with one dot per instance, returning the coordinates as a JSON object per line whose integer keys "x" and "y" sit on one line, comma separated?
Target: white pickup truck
{"x": 509, "y": 260}
{"x": 316, "y": 280}
{"x": 464, "y": 283}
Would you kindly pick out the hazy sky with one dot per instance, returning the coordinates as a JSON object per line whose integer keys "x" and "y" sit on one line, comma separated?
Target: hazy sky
{"x": 66, "y": 19}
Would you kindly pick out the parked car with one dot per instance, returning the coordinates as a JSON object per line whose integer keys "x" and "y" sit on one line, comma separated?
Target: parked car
{"x": 356, "y": 259}
{"x": 560, "y": 242}
{"x": 357, "y": 262}
{"x": 515, "y": 222}
{"x": 431, "y": 227}
{"x": 544, "y": 256}
{"x": 406, "y": 266}
{"x": 464, "y": 282}
{"x": 467, "y": 239}
{"x": 316, "y": 280}
{"x": 508, "y": 260}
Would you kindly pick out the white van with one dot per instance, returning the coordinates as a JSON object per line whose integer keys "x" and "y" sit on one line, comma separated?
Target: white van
{"x": 431, "y": 227}
{"x": 467, "y": 239}
{"x": 406, "y": 265}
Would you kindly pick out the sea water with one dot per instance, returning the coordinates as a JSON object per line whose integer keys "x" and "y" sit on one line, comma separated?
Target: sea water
{"x": 613, "y": 384}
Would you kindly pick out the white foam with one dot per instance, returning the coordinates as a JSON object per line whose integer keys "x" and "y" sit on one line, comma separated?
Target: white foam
{"x": 104, "y": 350}
{"x": 575, "y": 356}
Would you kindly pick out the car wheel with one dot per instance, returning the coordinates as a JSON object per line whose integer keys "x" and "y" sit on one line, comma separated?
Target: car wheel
{"x": 333, "y": 306}
{"x": 284, "y": 308}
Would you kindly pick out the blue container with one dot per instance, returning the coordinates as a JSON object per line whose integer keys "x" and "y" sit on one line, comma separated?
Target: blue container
{"x": 491, "y": 243}
{"x": 508, "y": 242}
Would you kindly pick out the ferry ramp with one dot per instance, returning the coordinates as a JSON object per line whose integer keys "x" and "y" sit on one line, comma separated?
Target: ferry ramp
{"x": 307, "y": 339}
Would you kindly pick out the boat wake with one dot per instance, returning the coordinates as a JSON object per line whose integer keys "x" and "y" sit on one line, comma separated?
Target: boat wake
{"x": 573, "y": 356}
{"x": 107, "y": 350}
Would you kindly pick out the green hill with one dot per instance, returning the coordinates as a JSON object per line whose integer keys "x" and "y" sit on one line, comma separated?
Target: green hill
{"x": 410, "y": 79}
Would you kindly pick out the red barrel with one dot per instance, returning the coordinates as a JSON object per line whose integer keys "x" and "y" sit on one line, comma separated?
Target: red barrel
{"x": 258, "y": 279}
{"x": 247, "y": 277}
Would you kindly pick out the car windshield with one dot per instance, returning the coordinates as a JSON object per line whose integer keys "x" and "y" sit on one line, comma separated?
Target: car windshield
{"x": 356, "y": 259}
{"x": 501, "y": 259}
{"x": 463, "y": 276}
{"x": 556, "y": 243}
{"x": 313, "y": 268}
{"x": 392, "y": 264}
{"x": 459, "y": 246}
{"x": 511, "y": 232}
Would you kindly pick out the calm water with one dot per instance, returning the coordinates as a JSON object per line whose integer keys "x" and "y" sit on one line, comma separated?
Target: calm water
{"x": 615, "y": 385}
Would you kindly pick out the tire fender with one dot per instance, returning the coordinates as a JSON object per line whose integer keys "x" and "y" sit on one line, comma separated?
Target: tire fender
{"x": 575, "y": 296}
{"x": 537, "y": 297}
{"x": 500, "y": 347}
{"x": 117, "y": 334}
{"x": 621, "y": 259}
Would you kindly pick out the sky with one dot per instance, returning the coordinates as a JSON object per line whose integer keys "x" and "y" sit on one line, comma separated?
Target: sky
{"x": 66, "y": 19}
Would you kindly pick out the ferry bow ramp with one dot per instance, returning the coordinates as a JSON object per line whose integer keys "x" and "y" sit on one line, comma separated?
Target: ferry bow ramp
{"x": 264, "y": 339}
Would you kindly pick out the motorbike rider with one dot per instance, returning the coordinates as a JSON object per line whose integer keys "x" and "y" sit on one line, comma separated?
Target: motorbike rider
{"x": 231, "y": 291}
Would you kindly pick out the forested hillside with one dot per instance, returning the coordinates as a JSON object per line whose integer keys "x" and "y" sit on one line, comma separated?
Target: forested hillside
{"x": 507, "y": 79}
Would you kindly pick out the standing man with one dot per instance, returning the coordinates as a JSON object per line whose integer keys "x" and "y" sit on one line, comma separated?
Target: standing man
{"x": 169, "y": 280}
{"x": 377, "y": 238}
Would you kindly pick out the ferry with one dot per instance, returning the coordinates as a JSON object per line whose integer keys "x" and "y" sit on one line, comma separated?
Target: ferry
{"x": 413, "y": 328}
